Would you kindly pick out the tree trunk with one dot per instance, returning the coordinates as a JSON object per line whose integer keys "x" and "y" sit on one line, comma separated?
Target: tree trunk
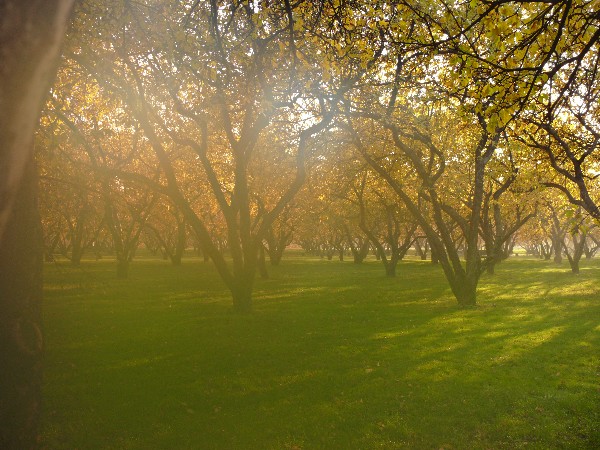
{"x": 49, "y": 250}
{"x": 242, "y": 297}
{"x": 262, "y": 264}
{"x": 574, "y": 265}
{"x": 390, "y": 269}
{"x": 76, "y": 253}
{"x": 360, "y": 253}
{"x": 31, "y": 33}
{"x": 465, "y": 291}
{"x": 176, "y": 259}
{"x": 276, "y": 255}
{"x": 122, "y": 268}
{"x": 21, "y": 339}
{"x": 558, "y": 253}
{"x": 492, "y": 258}
{"x": 179, "y": 245}
{"x": 434, "y": 257}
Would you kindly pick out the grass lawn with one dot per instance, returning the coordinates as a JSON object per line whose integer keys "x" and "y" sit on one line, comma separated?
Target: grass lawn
{"x": 335, "y": 355}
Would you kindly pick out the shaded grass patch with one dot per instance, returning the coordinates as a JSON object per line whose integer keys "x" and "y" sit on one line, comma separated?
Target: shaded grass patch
{"x": 336, "y": 355}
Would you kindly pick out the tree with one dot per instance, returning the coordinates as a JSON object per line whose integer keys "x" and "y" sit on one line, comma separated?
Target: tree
{"x": 432, "y": 155}
{"x": 69, "y": 197}
{"x": 508, "y": 204}
{"x": 279, "y": 235}
{"x": 578, "y": 231}
{"x": 101, "y": 142}
{"x": 30, "y": 39}
{"x": 541, "y": 59}
{"x": 168, "y": 227}
{"x": 220, "y": 93}
{"x": 389, "y": 228}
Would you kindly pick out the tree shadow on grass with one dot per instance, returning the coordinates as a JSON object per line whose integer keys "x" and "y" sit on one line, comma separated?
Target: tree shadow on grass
{"x": 341, "y": 361}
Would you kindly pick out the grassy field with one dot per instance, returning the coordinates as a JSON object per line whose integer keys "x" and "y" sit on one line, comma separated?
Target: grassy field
{"x": 335, "y": 356}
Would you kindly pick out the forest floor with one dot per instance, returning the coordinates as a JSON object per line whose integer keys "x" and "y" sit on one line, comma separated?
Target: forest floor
{"x": 334, "y": 356}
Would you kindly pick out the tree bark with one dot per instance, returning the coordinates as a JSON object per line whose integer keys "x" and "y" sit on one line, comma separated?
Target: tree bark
{"x": 30, "y": 36}
{"x": 390, "y": 268}
{"x": 122, "y": 268}
{"x": 262, "y": 264}
{"x": 179, "y": 245}
{"x": 242, "y": 296}
{"x": 466, "y": 295}
{"x": 21, "y": 339}
{"x": 465, "y": 290}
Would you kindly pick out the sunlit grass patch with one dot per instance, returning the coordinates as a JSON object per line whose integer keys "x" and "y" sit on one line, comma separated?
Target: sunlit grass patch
{"x": 334, "y": 356}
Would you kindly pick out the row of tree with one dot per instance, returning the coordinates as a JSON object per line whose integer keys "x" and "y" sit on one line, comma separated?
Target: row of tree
{"x": 444, "y": 118}
{"x": 347, "y": 216}
{"x": 225, "y": 108}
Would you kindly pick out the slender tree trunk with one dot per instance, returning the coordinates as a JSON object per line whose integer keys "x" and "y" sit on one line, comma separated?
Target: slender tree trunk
{"x": 77, "y": 253}
{"x": 179, "y": 245}
{"x": 262, "y": 263}
{"x": 492, "y": 258}
{"x": 434, "y": 257}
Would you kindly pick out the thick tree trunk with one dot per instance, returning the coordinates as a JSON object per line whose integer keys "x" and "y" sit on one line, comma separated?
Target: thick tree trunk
{"x": 275, "y": 256}
{"x": 122, "y": 268}
{"x": 30, "y": 36}
{"x": 362, "y": 252}
{"x": 465, "y": 291}
{"x": 574, "y": 263}
{"x": 21, "y": 339}
{"x": 390, "y": 269}
{"x": 176, "y": 259}
{"x": 242, "y": 297}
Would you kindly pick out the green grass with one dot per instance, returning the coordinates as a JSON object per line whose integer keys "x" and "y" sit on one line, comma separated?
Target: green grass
{"x": 335, "y": 356}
